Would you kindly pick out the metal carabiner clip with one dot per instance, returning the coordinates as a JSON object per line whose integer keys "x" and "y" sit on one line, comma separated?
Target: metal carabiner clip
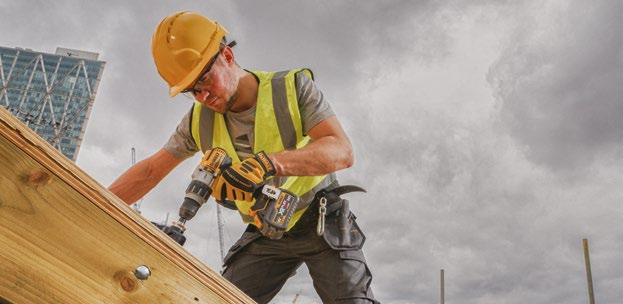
{"x": 322, "y": 212}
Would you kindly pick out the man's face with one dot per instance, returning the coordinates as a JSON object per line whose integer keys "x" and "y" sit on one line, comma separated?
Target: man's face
{"x": 217, "y": 86}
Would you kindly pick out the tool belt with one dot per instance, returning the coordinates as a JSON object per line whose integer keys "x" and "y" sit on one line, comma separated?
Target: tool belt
{"x": 330, "y": 216}
{"x": 341, "y": 231}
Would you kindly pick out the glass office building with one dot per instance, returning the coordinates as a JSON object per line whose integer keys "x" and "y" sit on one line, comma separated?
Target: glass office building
{"x": 51, "y": 93}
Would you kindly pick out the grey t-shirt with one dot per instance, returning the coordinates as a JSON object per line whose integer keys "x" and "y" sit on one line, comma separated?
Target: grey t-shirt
{"x": 313, "y": 107}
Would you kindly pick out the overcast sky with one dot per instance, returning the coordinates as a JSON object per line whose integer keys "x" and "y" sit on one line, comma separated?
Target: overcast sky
{"x": 487, "y": 133}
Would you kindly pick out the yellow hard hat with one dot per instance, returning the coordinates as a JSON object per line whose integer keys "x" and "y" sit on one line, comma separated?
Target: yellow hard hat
{"x": 182, "y": 45}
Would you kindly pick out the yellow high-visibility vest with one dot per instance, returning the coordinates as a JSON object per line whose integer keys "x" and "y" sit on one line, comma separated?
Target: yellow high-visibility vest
{"x": 278, "y": 127}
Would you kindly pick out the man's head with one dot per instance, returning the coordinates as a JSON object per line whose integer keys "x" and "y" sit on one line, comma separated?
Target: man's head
{"x": 217, "y": 85}
{"x": 191, "y": 55}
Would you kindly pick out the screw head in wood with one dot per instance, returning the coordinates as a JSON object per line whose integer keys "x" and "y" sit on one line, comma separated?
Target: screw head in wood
{"x": 142, "y": 272}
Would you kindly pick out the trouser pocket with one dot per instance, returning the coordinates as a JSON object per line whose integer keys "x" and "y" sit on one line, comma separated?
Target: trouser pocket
{"x": 355, "y": 279}
{"x": 247, "y": 238}
{"x": 341, "y": 230}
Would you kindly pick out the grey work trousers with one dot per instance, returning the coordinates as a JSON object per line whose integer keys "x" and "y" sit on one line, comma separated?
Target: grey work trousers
{"x": 260, "y": 266}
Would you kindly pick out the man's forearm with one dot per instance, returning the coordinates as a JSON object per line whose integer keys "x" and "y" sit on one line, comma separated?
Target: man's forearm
{"x": 322, "y": 156}
{"x": 144, "y": 176}
{"x": 134, "y": 183}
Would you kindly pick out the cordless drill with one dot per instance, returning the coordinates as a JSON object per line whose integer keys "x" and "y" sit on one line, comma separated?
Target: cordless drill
{"x": 198, "y": 191}
{"x": 272, "y": 211}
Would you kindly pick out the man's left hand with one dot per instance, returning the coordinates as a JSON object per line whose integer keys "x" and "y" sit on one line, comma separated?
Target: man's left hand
{"x": 241, "y": 180}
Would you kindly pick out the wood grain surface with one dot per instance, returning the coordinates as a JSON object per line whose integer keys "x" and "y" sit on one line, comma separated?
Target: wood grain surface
{"x": 64, "y": 238}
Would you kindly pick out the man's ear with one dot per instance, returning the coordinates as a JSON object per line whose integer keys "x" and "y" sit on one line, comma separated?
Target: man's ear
{"x": 228, "y": 54}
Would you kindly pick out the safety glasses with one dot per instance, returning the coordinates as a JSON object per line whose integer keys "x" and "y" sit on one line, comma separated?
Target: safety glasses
{"x": 198, "y": 85}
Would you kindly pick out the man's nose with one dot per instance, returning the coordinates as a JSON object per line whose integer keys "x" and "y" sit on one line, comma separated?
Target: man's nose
{"x": 202, "y": 95}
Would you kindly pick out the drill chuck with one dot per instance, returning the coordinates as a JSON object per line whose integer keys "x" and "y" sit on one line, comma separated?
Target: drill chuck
{"x": 197, "y": 194}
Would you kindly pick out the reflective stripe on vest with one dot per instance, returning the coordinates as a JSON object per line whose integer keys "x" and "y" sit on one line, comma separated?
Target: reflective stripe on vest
{"x": 278, "y": 127}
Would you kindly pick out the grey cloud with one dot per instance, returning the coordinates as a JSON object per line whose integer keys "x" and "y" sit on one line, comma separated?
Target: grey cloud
{"x": 334, "y": 36}
{"x": 558, "y": 82}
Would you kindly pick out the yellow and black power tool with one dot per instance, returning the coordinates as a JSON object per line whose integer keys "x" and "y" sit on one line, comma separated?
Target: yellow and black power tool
{"x": 271, "y": 212}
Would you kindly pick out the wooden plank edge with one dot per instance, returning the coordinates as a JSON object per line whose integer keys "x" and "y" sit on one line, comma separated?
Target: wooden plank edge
{"x": 50, "y": 158}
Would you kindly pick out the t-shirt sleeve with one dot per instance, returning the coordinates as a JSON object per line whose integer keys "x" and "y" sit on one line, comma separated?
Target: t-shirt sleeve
{"x": 181, "y": 143}
{"x": 313, "y": 106}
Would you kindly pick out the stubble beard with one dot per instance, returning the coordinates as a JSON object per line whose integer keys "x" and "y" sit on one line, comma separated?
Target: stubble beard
{"x": 230, "y": 102}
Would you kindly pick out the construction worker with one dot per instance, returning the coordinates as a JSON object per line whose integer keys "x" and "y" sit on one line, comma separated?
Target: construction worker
{"x": 279, "y": 130}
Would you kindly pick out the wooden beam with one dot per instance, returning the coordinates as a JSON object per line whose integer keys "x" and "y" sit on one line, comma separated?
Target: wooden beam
{"x": 66, "y": 239}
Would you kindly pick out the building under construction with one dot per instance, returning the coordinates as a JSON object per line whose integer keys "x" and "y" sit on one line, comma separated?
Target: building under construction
{"x": 53, "y": 94}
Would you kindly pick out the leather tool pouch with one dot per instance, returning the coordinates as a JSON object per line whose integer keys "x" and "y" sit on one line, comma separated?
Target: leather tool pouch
{"x": 341, "y": 229}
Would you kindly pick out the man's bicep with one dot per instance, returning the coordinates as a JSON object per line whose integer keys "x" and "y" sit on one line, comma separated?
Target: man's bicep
{"x": 328, "y": 127}
{"x": 181, "y": 143}
{"x": 313, "y": 106}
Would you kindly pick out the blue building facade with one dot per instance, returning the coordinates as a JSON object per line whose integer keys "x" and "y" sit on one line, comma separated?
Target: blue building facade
{"x": 51, "y": 93}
